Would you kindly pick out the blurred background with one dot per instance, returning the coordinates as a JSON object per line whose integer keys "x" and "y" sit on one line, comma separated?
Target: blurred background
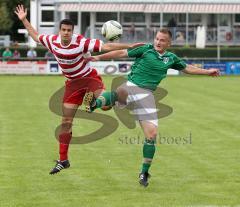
{"x": 202, "y": 30}
{"x": 204, "y": 172}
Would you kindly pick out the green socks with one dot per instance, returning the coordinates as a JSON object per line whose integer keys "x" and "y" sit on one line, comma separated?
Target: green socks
{"x": 148, "y": 153}
{"x": 145, "y": 167}
{"x": 106, "y": 99}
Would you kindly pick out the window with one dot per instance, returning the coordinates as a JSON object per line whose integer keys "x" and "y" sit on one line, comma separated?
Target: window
{"x": 224, "y": 19}
{"x": 134, "y": 17}
{"x": 182, "y": 18}
{"x": 73, "y": 16}
{"x": 47, "y": 16}
{"x": 47, "y": 5}
{"x": 237, "y": 18}
{"x": 195, "y": 18}
{"x": 105, "y": 16}
{"x": 155, "y": 18}
{"x": 212, "y": 20}
{"x": 167, "y": 17}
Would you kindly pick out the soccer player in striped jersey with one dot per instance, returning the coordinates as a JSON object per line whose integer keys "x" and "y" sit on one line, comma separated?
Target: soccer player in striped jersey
{"x": 70, "y": 51}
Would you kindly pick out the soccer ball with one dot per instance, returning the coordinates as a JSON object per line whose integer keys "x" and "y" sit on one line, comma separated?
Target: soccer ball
{"x": 112, "y": 30}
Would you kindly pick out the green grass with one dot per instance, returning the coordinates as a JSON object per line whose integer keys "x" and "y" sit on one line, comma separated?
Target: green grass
{"x": 104, "y": 173}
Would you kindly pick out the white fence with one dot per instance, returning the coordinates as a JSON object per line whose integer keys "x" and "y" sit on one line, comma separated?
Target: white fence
{"x": 52, "y": 68}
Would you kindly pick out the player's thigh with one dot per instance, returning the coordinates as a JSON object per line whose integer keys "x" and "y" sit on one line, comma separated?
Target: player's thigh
{"x": 147, "y": 114}
{"x": 95, "y": 83}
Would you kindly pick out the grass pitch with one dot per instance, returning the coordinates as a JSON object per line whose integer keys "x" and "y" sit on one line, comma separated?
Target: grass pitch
{"x": 202, "y": 172}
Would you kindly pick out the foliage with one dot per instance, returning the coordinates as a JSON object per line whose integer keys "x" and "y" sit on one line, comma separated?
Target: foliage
{"x": 9, "y": 23}
{"x": 5, "y": 21}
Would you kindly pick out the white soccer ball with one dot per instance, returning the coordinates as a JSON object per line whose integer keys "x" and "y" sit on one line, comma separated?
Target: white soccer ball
{"x": 112, "y": 30}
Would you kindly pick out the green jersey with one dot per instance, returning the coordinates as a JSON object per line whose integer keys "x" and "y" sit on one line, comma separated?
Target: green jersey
{"x": 7, "y": 54}
{"x": 150, "y": 67}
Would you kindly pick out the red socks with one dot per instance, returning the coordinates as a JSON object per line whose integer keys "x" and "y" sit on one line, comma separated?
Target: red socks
{"x": 64, "y": 140}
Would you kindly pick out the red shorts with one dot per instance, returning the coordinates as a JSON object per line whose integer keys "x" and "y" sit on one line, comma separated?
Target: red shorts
{"x": 75, "y": 89}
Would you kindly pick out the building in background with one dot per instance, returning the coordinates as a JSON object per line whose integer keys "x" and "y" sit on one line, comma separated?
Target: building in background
{"x": 141, "y": 19}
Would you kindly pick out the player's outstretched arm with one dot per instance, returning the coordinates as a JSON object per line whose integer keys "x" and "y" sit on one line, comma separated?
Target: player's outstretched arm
{"x": 119, "y": 46}
{"x": 190, "y": 69}
{"x": 21, "y": 12}
{"x": 109, "y": 56}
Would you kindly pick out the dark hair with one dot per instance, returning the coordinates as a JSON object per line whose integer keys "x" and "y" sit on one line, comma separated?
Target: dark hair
{"x": 166, "y": 31}
{"x": 67, "y": 22}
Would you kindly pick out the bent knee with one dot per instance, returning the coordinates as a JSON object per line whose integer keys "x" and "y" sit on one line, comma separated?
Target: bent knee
{"x": 67, "y": 124}
{"x": 67, "y": 120}
{"x": 152, "y": 134}
{"x": 122, "y": 95}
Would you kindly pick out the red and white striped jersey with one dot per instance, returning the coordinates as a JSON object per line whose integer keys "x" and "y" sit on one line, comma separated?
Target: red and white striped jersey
{"x": 71, "y": 58}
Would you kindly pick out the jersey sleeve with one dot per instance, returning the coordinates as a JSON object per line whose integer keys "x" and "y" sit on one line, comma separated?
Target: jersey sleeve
{"x": 137, "y": 51}
{"x": 92, "y": 45}
{"x": 46, "y": 40}
{"x": 179, "y": 64}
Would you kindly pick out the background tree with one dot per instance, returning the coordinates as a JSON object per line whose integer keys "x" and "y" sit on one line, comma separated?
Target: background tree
{"x": 5, "y": 21}
{"x": 9, "y": 23}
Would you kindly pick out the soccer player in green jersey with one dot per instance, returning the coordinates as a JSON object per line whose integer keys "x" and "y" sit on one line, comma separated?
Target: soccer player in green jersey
{"x": 150, "y": 66}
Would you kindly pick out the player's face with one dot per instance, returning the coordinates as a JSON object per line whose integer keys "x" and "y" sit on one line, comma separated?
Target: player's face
{"x": 66, "y": 32}
{"x": 161, "y": 42}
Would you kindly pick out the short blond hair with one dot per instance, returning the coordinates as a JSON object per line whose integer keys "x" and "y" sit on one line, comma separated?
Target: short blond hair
{"x": 166, "y": 31}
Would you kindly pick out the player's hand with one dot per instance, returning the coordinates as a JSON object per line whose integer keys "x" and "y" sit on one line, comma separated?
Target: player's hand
{"x": 92, "y": 59}
{"x": 138, "y": 44}
{"x": 21, "y": 12}
{"x": 213, "y": 72}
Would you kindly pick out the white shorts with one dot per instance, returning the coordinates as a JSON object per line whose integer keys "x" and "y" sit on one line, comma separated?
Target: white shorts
{"x": 141, "y": 102}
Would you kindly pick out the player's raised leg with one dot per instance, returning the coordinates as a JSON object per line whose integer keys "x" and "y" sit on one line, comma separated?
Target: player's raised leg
{"x": 65, "y": 136}
{"x": 106, "y": 99}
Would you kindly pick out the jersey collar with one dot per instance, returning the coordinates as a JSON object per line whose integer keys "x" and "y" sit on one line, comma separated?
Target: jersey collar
{"x": 160, "y": 55}
{"x": 63, "y": 46}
